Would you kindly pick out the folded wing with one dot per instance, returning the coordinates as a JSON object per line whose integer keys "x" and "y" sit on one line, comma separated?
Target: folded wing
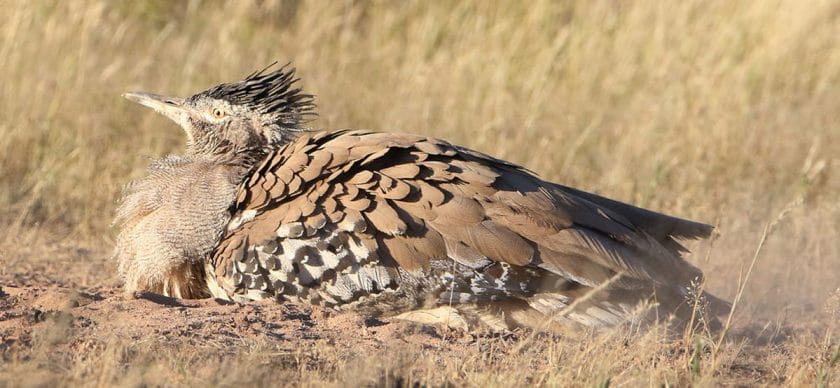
{"x": 386, "y": 223}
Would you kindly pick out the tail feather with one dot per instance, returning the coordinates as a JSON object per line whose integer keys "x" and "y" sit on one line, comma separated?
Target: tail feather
{"x": 663, "y": 227}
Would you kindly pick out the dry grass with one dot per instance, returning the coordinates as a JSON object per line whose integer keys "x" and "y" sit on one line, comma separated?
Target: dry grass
{"x": 719, "y": 111}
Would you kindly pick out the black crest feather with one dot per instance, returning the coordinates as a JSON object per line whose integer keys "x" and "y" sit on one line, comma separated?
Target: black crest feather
{"x": 271, "y": 93}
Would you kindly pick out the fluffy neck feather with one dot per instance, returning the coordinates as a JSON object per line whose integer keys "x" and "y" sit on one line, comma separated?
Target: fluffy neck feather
{"x": 172, "y": 218}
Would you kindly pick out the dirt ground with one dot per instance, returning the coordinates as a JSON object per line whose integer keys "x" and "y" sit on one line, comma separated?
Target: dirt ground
{"x": 51, "y": 322}
{"x": 31, "y": 312}
{"x": 57, "y": 328}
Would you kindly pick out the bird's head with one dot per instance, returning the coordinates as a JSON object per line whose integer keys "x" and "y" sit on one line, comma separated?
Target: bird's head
{"x": 260, "y": 112}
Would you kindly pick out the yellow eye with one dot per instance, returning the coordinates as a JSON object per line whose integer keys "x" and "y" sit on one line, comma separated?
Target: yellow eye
{"x": 218, "y": 113}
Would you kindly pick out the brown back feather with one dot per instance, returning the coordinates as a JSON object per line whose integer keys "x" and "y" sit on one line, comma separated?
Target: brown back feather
{"x": 409, "y": 204}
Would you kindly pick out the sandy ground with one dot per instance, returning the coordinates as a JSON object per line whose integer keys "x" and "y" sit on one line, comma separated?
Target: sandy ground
{"x": 52, "y": 324}
{"x": 66, "y": 321}
{"x": 96, "y": 314}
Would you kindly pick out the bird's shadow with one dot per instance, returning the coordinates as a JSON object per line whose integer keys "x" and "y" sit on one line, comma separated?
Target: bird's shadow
{"x": 172, "y": 302}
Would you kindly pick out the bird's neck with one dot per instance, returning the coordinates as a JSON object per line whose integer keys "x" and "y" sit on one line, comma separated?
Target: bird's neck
{"x": 172, "y": 218}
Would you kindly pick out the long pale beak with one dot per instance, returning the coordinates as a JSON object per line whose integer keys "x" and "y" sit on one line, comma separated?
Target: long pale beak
{"x": 171, "y": 107}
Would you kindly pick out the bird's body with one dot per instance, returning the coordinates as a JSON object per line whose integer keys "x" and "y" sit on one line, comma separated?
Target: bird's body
{"x": 386, "y": 223}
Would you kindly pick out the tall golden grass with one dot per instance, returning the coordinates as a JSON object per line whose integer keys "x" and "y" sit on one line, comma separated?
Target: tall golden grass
{"x": 724, "y": 112}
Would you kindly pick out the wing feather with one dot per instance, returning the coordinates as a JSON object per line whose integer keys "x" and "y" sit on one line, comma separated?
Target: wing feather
{"x": 424, "y": 210}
